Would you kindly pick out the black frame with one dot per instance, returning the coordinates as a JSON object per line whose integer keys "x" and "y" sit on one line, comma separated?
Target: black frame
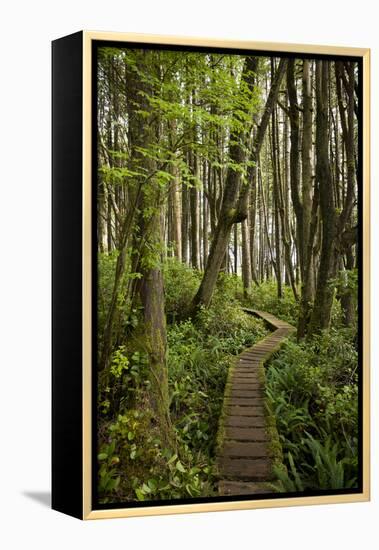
{"x": 67, "y": 163}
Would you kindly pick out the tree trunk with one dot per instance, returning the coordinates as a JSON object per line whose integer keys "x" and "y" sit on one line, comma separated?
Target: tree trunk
{"x": 294, "y": 158}
{"x": 174, "y": 217}
{"x": 276, "y": 179}
{"x": 246, "y": 266}
{"x": 154, "y": 327}
{"x": 307, "y": 282}
{"x": 153, "y": 338}
{"x": 252, "y": 225}
{"x": 194, "y": 209}
{"x": 185, "y": 224}
{"x": 324, "y": 292}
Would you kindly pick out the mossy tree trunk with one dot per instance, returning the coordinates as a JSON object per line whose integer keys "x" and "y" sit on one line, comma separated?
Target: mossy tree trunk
{"x": 308, "y": 211}
{"x": 146, "y": 128}
{"x": 324, "y": 292}
{"x": 154, "y": 326}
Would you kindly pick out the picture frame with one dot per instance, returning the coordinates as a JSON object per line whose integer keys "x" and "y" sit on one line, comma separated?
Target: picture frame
{"x": 75, "y": 129}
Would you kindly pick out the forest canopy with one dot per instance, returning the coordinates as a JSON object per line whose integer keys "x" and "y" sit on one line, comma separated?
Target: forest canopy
{"x": 224, "y": 181}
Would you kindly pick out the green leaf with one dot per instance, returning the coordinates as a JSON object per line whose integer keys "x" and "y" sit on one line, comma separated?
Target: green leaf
{"x": 146, "y": 488}
{"x": 140, "y": 494}
{"x": 180, "y": 467}
{"x": 152, "y": 484}
{"x": 102, "y": 456}
{"x": 172, "y": 459}
{"x": 114, "y": 483}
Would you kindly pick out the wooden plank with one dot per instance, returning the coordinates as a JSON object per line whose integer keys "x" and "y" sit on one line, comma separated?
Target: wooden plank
{"x": 247, "y": 469}
{"x": 245, "y": 449}
{"x": 244, "y": 401}
{"x": 246, "y": 434}
{"x": 234, "y": 410}
{"x": 244, "y": 391}
{"x": 247, "y": 386}
{"x": 245, "y": 421}
{"x": 250, "y": 377}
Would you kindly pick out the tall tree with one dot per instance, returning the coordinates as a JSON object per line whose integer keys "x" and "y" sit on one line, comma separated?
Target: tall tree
{"x": 307, "y": 239}
{"x": 320, "y": 318}
{"x": 235, "y": 198}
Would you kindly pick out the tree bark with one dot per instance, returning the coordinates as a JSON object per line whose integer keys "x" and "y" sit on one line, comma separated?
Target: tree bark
{"x": 185, "y": 224}
{"x": 294, "y": 158}
{"x": 246, "y": 265}
{"x": 324, "y": 292}
{"x": 276, "y": 182}
{"x": 174, "y": 217}
{"x": 194, "y": 209}
{"x": 307, "y": 281}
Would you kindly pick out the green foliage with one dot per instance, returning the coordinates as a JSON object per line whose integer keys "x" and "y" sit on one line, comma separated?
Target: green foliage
{"x": 181, "y": 283}
{"x": 106, "y": 272}
{"x": 125, "y": 381}
{"x": 265, "y": 297}
{"x": 198, "y": 359}
{"x": 186, "y": 88}
{"x": 228, "y": 327}
{"x": 312, "y": 389}
{"x": 120, "y": 363}
{"x": 109, "y": 480}
{"x": 126, "y": 316}
{"x": 347, "y": 281}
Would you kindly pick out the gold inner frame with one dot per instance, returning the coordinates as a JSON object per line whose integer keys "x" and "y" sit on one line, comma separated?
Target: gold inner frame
{"x": 88, "y": 513}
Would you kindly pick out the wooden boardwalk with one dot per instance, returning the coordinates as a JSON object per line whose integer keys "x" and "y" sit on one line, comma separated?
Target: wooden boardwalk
{"x": 244, "y": 458}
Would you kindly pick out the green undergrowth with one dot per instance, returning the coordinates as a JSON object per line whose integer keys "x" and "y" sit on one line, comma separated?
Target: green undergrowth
{"x": 312, "y": 391}
{"x": 133, "y": 462}
{"x": 264, "y": 297}
{"x": 311, "y": 394}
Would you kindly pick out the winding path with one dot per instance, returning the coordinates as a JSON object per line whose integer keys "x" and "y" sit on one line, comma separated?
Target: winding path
{"x": 244, "y": 458}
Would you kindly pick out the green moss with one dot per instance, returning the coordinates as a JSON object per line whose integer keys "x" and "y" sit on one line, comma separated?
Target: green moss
{"x": 221, "y": 426}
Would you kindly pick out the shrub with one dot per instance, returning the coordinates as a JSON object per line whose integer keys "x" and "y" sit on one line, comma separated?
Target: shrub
{"x": 132, "y": 461}
{"x": 180, "y": 283}
{"x": 265, "y": 297}
{"x": 312, "y": 390}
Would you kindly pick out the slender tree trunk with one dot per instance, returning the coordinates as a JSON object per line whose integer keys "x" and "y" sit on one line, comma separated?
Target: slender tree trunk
{"x": 294, "y": 158}
{"x": 246, "y": 266}
{"x": 205, "y": 214}
{"x": 194, "y": 210}
{"x": 307, "y": 288}
{"x": 175, "y": 237}
{"x": 275, "y": 172}
{"x": 235, "y": 250}
{"x": 185, "y": 224}
{"x": 253, "y": 214}
{"x": 347, "y": 294}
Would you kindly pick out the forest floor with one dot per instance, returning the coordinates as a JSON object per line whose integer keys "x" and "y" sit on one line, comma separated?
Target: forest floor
{"x": 310, "y": 395}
